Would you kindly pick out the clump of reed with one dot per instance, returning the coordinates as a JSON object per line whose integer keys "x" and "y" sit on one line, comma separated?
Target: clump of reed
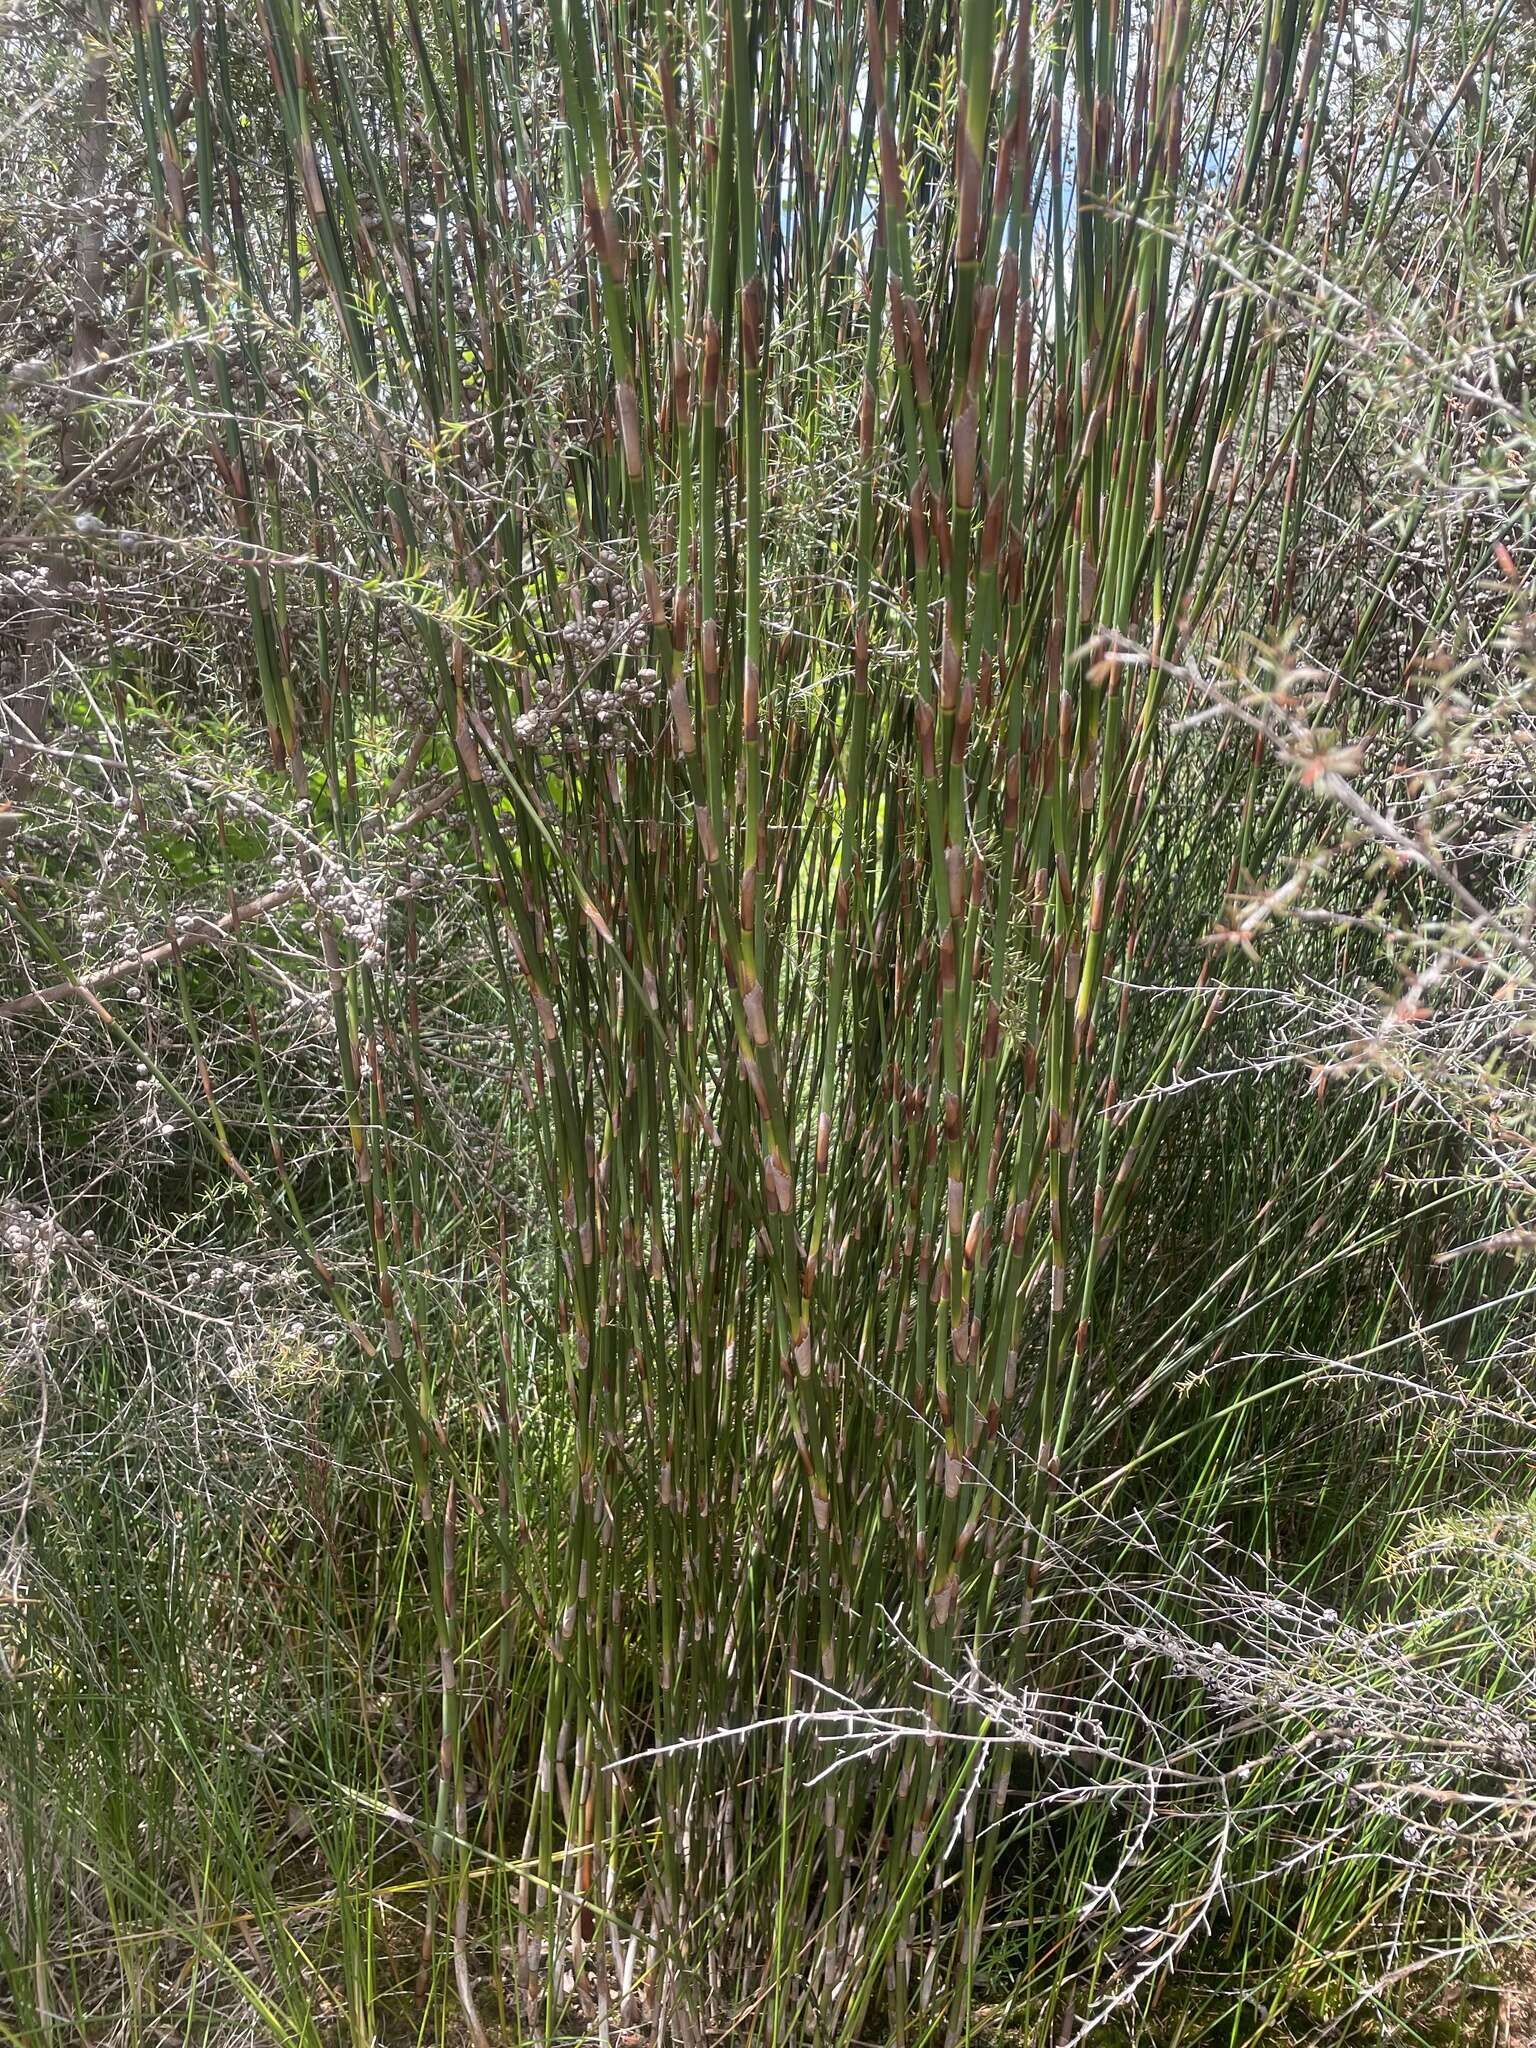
{"x": 801, "y": 483}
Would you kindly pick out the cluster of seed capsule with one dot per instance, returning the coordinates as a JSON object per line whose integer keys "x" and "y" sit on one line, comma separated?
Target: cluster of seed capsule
{"x": 609, "y": 619}
{"x": 28, "y": 1237}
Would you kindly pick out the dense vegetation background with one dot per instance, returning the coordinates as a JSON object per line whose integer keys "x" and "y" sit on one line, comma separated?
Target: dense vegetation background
{"x": 765, "y": 994}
